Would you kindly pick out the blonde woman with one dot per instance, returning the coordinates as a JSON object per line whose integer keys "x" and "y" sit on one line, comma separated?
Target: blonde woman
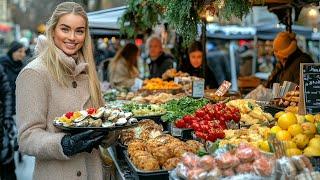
{"x": 62, "y": 78}
{"x": 122, "y": 70}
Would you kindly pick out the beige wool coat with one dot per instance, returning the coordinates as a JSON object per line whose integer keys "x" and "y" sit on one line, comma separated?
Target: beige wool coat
{"x": 39, "y": 100}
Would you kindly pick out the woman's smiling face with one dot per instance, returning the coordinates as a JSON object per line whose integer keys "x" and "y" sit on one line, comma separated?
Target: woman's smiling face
{"x": 70, "y": 33}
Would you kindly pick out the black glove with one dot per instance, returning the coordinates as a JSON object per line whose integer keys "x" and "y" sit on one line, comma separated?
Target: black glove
{"x": 81, "y": 142}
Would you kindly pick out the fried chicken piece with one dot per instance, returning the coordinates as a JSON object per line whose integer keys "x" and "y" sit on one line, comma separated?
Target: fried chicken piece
{"x": 147, "y": 163}
{"x": 136, "y": 145}
{"x": 194, "y": 145}
{"x": 162, "y": 154}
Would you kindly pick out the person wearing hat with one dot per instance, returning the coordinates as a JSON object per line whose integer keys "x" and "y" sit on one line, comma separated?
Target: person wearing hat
{"x": 289, "y": 57}
{"x": 12, "y": 63}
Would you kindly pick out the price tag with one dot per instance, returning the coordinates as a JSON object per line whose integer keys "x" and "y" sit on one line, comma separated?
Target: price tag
{"x": 309, "y": 88}
{"x": 223, "y": 88}
{"x": 198, "y": 88}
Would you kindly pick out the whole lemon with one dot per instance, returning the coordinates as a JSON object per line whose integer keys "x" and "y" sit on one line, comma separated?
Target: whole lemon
{"x": 309, "y": 118}
{"x": 315, "y": 142}
{"x": 264, "y": 145}
{"x": 275, "y": 129}
{"x": 283, "y": 135}
{"x": 278, "y": 114}
{"x": 311, "y": 151}
{"x": 295, "y": 129}
{"x": 293, "y": 152}
{"x": 301, "y": 140}
{"x": 287, "y": 120}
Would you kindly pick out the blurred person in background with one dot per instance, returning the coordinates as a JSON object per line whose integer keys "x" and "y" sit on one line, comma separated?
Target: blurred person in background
{"x": 7, "y": 166}
{"x": 158, "y": 61}
{"x": 12, "y": 63}
{"x": 122, "y": 70}
{"x": 193, "y": 65}
{"x": 289, "y": 57}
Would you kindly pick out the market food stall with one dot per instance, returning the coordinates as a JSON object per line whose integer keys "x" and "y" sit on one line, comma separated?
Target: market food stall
{"x": 166, "y": 133}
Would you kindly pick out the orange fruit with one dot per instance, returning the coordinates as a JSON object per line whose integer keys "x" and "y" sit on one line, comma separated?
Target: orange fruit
{"x": 287, "y": 120}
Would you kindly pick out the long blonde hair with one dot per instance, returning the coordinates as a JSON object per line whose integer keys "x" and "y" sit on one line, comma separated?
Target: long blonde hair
{"x": 59, "y": 69}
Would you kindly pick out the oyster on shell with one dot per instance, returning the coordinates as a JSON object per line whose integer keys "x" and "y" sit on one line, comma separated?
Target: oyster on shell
{"x": 132, "y": 120}
{"x": 99, "y": 113}
{"x": 128, "y": 115}
{"x": 107, "y": 113}
{"x": 108, "y": 124}
{"x": 121, "y": 121}
{"x": 82, "y": 123}
{"x": 95, "y": 122}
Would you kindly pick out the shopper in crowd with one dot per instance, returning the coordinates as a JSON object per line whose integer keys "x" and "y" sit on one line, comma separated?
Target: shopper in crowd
{"x": 62, "y": 78}
{"x": 12, "y": 63}
{"x": 193, "y": 65}
{"x": 289, "y": 57}
{"x": 159, "y": 62}
{"x": 7, "y": 166}
{"x": 123, "y": 72}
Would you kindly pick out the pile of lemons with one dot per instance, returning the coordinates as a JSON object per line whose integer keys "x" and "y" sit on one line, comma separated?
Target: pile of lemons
{"x": 298, "y": 132}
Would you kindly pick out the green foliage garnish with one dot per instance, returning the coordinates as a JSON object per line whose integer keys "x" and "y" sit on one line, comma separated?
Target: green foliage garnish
{"x": 176, "y": 109}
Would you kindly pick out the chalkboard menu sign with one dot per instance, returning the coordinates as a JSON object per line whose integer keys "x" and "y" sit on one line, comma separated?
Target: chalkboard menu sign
{"x": 310, "y": 76}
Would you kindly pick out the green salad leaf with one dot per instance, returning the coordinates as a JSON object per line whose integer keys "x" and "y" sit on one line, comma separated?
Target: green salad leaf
{"x": 176, "y": 109}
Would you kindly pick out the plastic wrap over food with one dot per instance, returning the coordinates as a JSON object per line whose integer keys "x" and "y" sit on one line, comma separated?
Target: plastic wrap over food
{"x": 182, "y": 171}
{"x": 228, "y": 172}
{"x": 263, "y": 166}
{"x": 214, "y": 174}
{"x": 245, "y": 154}
{"x": 197, "y": 174}
{"x": 227, "y": 160}
{"x": 285, "y": 168}
{"x": 244, "y": 168}
{"x": 207, "y": 162}
{"x": 190, "y": 160}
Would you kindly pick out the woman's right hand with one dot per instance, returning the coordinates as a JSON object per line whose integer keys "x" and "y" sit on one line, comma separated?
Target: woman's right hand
{"x": 81, "y": 142}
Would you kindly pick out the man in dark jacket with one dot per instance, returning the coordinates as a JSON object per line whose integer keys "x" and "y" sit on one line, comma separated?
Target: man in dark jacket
{"x": 159, "y": 61}
{"x": 289, "y": 57}
{"x": 12, "y": 64}
{"x": 7, "y": 169}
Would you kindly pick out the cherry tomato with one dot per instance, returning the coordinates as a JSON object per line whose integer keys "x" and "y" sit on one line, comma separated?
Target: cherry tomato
{"x": 196, "y": 127}
{"x": 180, "y": 123}
{"x": 199, "y": 134}
{"x": 207, "y": 118}
{"x": 200, "y": 113}
{"x": 91, "y": 110}
{"x": 188, "y": 118}
{"x": 68, "y": 115}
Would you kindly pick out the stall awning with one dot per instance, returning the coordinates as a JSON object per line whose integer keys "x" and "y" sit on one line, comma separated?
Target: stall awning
{"x": 104, "y": 22}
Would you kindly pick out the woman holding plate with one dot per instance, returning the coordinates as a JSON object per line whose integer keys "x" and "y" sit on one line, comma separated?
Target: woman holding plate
{"x": 61, "y": 78}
